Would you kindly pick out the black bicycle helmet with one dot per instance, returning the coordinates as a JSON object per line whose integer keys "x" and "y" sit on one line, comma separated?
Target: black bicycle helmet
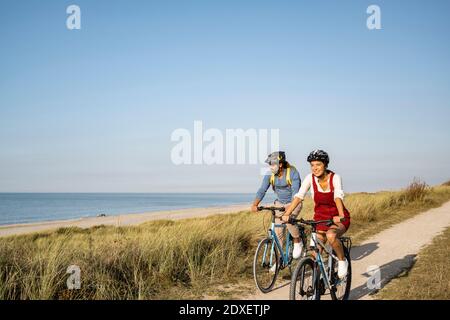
{"x": 319, "y": 155}
{"x": 276, "y": 157}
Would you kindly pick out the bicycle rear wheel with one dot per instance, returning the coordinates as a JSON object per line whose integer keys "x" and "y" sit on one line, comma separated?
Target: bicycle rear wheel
{"x": 341, "y": 287}
{"x": 303, "y": 282}
{"x": 266, "y": 258}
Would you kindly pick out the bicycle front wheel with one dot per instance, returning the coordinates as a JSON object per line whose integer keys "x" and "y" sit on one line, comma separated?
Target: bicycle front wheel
{"x": 266, "y": 265}
{"x": 303, "y": 281}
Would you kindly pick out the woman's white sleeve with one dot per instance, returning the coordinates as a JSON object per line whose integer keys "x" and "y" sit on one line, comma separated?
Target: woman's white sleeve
{"x": 304, "y": 188}
{"x": 338, "y": 190}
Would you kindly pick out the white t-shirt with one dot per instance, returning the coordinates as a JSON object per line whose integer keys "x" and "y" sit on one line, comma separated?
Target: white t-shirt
{"x": 307, "y": 186}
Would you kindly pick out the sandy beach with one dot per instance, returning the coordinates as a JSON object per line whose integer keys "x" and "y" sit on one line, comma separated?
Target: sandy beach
{"x": 120, "y": 220}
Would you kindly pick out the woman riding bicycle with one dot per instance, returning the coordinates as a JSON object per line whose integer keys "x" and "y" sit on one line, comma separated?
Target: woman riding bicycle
{"x": 326, "y": 190}
{"x": 285, "y": 181}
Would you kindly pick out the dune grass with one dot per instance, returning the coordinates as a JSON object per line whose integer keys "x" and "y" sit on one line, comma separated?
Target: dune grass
{"x": 181, "y": 259}
{"x": 428, "y": 279}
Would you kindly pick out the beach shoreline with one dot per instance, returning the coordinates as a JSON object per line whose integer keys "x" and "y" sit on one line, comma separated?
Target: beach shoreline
{"x": 120, "y": 220}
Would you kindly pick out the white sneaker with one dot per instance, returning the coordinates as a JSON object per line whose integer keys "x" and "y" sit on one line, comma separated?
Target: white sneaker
{"x": 342, "y": 268}
{"x": 273, "y": 268}
{"x": 296, "y": 253}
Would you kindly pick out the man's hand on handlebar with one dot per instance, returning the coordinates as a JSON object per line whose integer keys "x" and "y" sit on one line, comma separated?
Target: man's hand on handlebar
{"x": 254, "y": 208}
{"x": 272, "y": 208}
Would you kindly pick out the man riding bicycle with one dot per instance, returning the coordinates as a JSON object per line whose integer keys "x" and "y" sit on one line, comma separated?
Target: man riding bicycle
{"x": 285, "y": 182}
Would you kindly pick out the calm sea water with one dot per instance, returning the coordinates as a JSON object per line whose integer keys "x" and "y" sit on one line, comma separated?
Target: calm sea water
{"x": 34, "y": 207}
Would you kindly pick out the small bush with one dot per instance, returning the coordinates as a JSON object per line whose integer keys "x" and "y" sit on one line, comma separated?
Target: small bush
{"x": 416, "y": 191}
{"x": 446, "y": 184}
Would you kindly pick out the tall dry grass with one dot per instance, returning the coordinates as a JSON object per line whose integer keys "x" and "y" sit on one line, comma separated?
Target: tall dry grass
{"x": 172, "y": 259}
{"x": 127, "y": 262}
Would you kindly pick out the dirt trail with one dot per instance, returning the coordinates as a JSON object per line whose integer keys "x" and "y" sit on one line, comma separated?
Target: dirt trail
{"x": 393, "y": 250}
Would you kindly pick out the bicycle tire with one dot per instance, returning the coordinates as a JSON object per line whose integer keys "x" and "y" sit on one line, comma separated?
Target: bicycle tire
{"x": 299, "y": 274}
{"x": 256, "y": 266}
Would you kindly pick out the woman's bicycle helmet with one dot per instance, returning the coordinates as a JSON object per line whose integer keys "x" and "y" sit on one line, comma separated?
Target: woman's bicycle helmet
{"x": 319, "y": 155}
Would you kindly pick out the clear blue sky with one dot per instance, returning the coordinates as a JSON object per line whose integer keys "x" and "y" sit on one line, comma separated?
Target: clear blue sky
{"x": 92, "y": 110}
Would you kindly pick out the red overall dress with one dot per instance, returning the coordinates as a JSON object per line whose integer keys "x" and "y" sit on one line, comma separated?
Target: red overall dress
{"x": 325, "y": 207}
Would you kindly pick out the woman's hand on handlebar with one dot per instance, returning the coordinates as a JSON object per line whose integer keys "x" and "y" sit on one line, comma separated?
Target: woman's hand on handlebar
{"x": 338, "y": 219}
{"x": 285, "y": 218}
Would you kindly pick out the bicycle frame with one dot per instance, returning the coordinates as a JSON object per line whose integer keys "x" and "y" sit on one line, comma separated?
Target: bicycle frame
{"x": 317, "y": 243}
{"x": 272, "y": 235}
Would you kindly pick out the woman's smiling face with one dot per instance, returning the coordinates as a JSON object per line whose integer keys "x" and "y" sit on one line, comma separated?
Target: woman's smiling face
{"x": 318, "y": 168}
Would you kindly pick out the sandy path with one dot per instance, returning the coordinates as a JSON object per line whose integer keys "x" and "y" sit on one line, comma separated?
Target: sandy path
{"x": 387, "y": 249}
{"x": 120, "y": 220}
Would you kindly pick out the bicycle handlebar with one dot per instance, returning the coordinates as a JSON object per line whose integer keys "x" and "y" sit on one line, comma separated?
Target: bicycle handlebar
{"x": 282, "y": 209}
{"x": 328, "y": 222}
{"x": 292, "y": 220}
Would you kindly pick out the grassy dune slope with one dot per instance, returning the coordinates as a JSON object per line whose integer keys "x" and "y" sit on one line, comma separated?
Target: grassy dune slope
{"x": 173, "y": 259}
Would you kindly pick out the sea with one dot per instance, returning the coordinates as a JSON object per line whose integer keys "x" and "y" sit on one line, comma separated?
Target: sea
{"x": 17, "y": 208}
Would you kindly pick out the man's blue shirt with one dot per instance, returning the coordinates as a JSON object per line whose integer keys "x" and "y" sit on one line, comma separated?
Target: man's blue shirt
{"x": 283, "y": 190}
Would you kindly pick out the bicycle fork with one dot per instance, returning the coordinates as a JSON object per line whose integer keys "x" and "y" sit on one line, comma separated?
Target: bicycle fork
{"x": 272, "y": 247}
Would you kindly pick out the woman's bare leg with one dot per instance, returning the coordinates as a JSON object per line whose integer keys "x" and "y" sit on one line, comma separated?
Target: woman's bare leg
{"x": 333, "y": 235}
{"x": 322, "y": 237}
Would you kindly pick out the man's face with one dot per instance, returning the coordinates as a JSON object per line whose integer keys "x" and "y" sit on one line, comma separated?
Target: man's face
{"x": 274, "y": 168}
